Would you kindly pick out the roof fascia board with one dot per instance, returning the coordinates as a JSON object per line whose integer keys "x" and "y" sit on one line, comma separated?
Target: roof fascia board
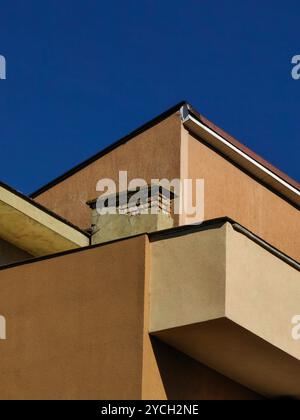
{"x": 38, "y": 215}
{"x": 42, "y": 208}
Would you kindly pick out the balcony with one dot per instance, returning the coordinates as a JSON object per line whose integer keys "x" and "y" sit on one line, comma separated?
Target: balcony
{"x": 227, "y": 299}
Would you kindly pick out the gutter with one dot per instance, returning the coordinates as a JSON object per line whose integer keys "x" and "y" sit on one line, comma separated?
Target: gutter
{"x": 168, "y": 234}
{"x": 217, "y": 223}
{"x": 238, "y": 156}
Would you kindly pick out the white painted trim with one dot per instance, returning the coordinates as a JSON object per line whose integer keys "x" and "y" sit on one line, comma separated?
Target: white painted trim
{"x": 187, "y": 117}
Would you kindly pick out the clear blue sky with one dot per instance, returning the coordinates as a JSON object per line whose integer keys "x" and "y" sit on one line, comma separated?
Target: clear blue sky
{"x": 73, "y": 66}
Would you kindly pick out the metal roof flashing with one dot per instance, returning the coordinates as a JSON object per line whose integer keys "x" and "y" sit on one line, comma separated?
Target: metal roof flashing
{"x": 240, "y": 155}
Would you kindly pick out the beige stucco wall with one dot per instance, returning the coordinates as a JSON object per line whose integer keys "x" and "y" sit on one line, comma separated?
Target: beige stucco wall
{"x": 218, "y": 272}
{"x": 155, "y": 153}
{"x": 10, "y": 254}
{"x": 227, "y": 302}
{"x": 168, "y": 373}
{"x": 231, "y": 192}
{"x": 262, "y": 292}
{"x": 188, "y": 278}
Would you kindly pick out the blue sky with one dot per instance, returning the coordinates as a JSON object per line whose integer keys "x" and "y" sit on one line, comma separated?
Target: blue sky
{"x": 74, "y": 66}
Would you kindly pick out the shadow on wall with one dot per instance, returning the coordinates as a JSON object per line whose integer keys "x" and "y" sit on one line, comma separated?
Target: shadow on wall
{"x": 186, "y": 379}
{"x": 10, "y": 254}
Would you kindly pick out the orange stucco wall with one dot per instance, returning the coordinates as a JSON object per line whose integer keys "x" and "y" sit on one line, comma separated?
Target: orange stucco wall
{"x": 74, "y": 325}
{"x": 77, "y": 328}
{"x": 155, "y": 153}
{"x": 231, "y": 192}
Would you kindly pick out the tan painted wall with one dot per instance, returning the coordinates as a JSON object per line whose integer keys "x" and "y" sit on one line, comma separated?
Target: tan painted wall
{"x": 219, "y": 272}
{"x": 227, "y": 302}
{"x": 230, "y": 192}
{"x": 153, "y": 154}
{"x": 188, "y": 279}
{"x": 77, "y": 328}
{"x": 74, "y": 325}
{"x": 10, "y": 254}
{"x": 153, "y": 387}
{"x": 169, "y": 374}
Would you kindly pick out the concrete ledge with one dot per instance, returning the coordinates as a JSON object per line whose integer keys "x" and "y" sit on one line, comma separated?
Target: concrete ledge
{"x": 33, "y": 230}
{"x": 238, "y": 354}
{"x": 201, "y": 277}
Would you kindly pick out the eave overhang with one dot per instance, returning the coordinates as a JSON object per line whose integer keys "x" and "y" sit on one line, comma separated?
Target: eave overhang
{"x": 33, "y": 228}
{"x": 240, "y": 155}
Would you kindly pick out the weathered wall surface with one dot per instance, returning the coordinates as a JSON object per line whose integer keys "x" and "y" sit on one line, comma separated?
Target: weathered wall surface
{"x": 231, "y": 192}
{"x": 189, "y": 268}
{"x": 10, "y": 254}
{"x": 166, "y": 150}
{"x": 155, "y": 153}
{"x": 74, "y": 325}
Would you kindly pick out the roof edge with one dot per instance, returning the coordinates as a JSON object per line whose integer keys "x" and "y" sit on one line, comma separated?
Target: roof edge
{"x": 42, "y": 208}
{"x": 169, "y": 233}
{"x": 125, "y": 139}
{"x": 183, "y": 105}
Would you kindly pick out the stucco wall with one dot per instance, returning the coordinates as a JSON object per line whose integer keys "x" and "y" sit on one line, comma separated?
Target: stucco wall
{"x": 231, "y": 192}
{"x": 167, "y": 150}
{"x": 262, "y": 292}
{"x": 188, "y": 278}
{"x": 226, "y": 301}
{"x": 78, "y": 328}
{"x": 74, "y": 325}
{"x": 155, "y": 153}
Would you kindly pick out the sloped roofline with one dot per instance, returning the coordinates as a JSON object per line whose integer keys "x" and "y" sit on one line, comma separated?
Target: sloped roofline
{"x": 170, "y": 233}
{"x": 243, "y": 148}
{"x": 110, "y": 148}
{"x": 42, "y": 208}
{"x": 238, "y": 154}
{"x": 203, "y": 120}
